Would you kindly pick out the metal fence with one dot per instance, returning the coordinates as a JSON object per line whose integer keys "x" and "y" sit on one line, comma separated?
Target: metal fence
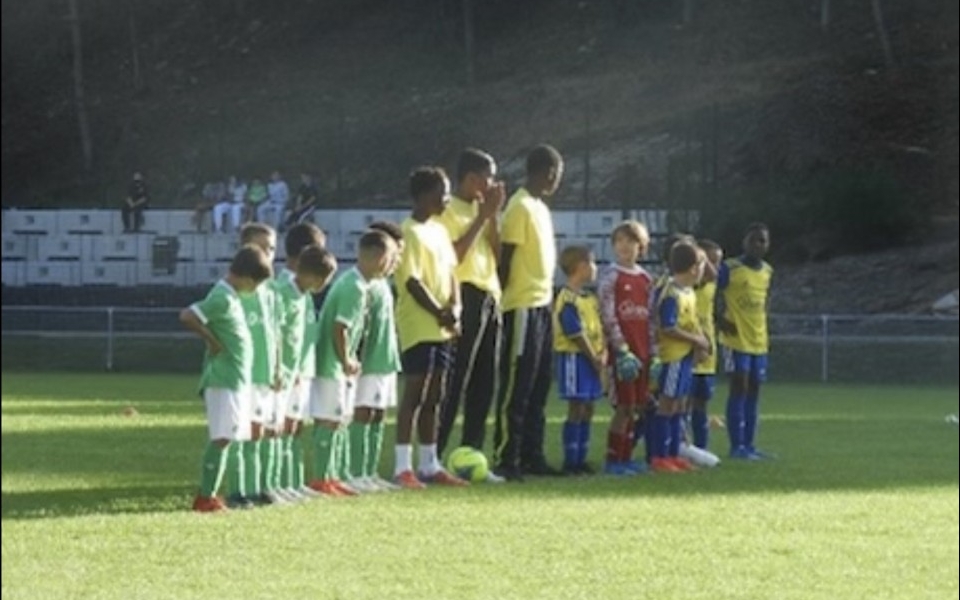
{"x": 835, "y": 348}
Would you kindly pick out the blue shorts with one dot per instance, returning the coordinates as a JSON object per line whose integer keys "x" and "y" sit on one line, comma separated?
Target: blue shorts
{"x": 676, "y": 378}
{"x": 577, "y": 380}
{"x": 427, "y": 358}
{"x": 703, "y": 386}
{"x": 754, "y": 365}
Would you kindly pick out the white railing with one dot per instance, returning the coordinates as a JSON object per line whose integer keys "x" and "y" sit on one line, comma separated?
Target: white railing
{"x": 862, "y": 348}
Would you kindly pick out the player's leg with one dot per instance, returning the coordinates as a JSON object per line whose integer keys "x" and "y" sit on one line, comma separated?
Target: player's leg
{"x": 699, "y": 417}
{"x": 226, "y": 424}
{"x": 430, "y": 469}
{"x": 368, "y": 391}
{"x": 326, "y": 398}
{"x": 416, "y": 362}
{"x": 482, "y": 385}
{"x": 532, "y": 457}
{"x": 751, "y": 413}
{"x": 583, "y": 443}
{"x": 465, "y": 350}
{"x": 376, "y": 433}
{"x": 516, "y": 382}
{"x": 570, "y": 436}
{"x": 736, "y": 364}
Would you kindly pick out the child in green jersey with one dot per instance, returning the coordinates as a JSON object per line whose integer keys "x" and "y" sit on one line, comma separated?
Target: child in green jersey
{"x": 220, "y": 322}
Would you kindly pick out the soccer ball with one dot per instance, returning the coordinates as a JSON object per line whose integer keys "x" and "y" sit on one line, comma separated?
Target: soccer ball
{"x": 468, "y": 463}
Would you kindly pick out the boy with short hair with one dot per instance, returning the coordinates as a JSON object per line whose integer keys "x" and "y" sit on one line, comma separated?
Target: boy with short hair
{"x": 626, "y": 293}
{"x": 528, "y": 259}
{"x": 314, "y": 268}
{"x": 678, "y": 338}
{"x": 377, "y": 384}
{"x": 428, "y": 317}
{"x": 705, "y": 370}
{"x": 220, "y": 322}
{"x": 297, "y": 399}
{"x": 244, "y": 465}
{"x": 472, "y": 220}
{"x": 743, "y": 302}
{"x": 341, "y": 325}
{"x": 580, "y": 352}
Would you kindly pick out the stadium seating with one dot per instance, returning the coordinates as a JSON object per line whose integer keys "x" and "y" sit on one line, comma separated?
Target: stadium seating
{"x": 88, "y": 247}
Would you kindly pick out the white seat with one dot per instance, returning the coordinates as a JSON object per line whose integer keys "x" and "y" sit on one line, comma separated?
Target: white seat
{"x": 93, "y": 221}
{"x": 654, "y": 219}
{"x": 59, "y": 248}
{"x": 220, "y": 248}
{"x": 31, "y": 221}
{"x": 52, "y": 273}
{"x": 14, "y": 247}
{"x": 193, "y": 247}
{"x": 597, "y": 223}
{"x": 178, "y": 222}
{"x": 565, "y": 223}
{"x": 327, "y": 220}
{"x": 125, "y": 247}
{"x": 107, "y": 273}
{"x": 14, "y": 273}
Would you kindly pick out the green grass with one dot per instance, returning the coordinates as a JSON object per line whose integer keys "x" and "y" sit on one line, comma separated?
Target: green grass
{"x": 863, "y": 503}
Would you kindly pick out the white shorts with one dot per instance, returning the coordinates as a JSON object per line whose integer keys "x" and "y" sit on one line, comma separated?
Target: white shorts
{"x": 274, "y": 419}
{"x": 377, "y": 391}
{"x": 228, "y": 413}
{"x": 298, "y": 400}
{"x": 264, "y": 404}
{"x": 333, "y": 399}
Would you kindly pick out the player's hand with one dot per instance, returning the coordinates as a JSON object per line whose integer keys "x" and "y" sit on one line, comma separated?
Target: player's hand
{"x": 726, "y": 326}
{"x": 448, "y": 318}
{"x": 214, "y": 347}
{"x": 700, "y": 356}
{"x": 351, "y": 367}
{"x": 492, "y": 200}
{"x": 627, "y": 365}
{"x": 599, "y": 366}
{"x": 702, "y": 344}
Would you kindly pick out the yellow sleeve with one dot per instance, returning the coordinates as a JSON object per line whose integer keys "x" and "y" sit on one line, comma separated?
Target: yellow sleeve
{"x": 516, "y": 219}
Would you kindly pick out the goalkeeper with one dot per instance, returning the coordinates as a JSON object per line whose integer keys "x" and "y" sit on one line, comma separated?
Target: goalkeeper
{"x": 625, "y": 291}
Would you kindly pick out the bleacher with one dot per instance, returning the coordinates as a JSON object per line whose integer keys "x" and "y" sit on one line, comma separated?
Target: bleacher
{"x": 88, "y": 247}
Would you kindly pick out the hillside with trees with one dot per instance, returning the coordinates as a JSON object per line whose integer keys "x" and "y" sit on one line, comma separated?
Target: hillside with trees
{"x": 834, "y": 120}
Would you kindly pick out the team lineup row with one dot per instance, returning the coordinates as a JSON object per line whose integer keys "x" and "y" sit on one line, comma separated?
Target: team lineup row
{"x": 475, "y": 324}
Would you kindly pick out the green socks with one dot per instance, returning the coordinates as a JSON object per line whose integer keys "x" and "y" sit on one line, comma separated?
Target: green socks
{"x": 323, "y": 453}
{"x": 213, "y": 465}
{"x": 374, "y": 446}
{"x": 359, "y": 449}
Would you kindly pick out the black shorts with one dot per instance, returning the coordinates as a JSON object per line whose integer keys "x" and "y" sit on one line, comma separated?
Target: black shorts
{"x": 427, "y": 358}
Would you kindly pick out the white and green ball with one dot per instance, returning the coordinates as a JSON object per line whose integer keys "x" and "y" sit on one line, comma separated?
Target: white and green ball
{"x": 468, "y": 463}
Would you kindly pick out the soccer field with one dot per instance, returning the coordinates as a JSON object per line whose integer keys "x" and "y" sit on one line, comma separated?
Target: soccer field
{"x": 862, "y": 503}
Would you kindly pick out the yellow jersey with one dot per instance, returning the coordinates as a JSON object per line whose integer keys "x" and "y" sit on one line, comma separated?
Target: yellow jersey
{"x": 577, "y": 314}
{"x": 706, "y": 293}
{"x": 479, "y": 264}
{"x": 428, "y": 257}
{"x": 528, "y": 226}
{"x": 745, "y": 291}
{"x": 676, "y": 309}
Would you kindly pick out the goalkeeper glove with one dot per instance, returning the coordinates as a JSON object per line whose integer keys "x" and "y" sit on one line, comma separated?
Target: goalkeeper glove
{"x": 627, "y": 365}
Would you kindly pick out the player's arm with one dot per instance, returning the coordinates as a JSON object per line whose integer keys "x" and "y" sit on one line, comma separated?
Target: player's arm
{"x": 194, "y": 319}
{"x": 503, "y": 267}
{"x": 341, "y": 332}
{"x": 572, "y": 328}
{"x": 720, "y": 301}
{"x": 424, "y": 298}
{"x": 489, "y": 208}
{"x": 608, "y": 309}
{"x": 669, "y": 327}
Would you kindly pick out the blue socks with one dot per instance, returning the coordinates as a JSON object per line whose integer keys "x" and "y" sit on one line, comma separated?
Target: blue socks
{"x": 584, "y": 442}
{"x": 750, "y": 415}
{"x": 700, "y": 427}
{"x": 676, "y": 435}
{"x": 735, "y": 421}
{"x": 571, "y": 443}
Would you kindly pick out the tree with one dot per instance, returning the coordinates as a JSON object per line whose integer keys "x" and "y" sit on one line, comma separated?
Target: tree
{"x": 86, "y": 143}
{"x": 882, "y": 32}
{"x": 134, "y": 46}
{"x": 468, "y": 32}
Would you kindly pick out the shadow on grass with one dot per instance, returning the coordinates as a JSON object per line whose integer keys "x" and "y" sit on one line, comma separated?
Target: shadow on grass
{"x": 53, "y": 504}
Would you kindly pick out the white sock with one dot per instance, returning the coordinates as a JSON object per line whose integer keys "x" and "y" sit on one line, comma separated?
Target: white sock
{"x": 429, "y": 464}
{"x": 404, "y": 458}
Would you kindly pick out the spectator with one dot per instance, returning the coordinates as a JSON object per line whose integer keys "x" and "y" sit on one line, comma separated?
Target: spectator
{"x": 231, "y": 204}
{"x": 255, "y": 201}
{"x": 136, "y": 202}
{"x": 279, "y": 195}
{"x": 306, "y": 201}
{"x": 213, "y": 192}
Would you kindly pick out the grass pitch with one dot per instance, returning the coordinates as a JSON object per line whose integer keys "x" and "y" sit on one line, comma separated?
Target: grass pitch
{"x": 863, "y": 503}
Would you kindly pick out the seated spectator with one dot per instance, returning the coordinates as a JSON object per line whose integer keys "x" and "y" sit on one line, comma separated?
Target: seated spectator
{"x": 230, "y": 205}
{"x": 255, "y": 200}
{"x": 279, "y": 195}
{"x": 211, "y": 195}
{"x": 306, "y": 201}
{"x": 136, "y": 202}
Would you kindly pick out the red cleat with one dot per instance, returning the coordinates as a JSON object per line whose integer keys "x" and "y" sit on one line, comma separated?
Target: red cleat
{"x": 442, "y": 477}
{"x": 408, "y": 481}
{"x": 208, "y": 504}
{"x": 664, "y": 465}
